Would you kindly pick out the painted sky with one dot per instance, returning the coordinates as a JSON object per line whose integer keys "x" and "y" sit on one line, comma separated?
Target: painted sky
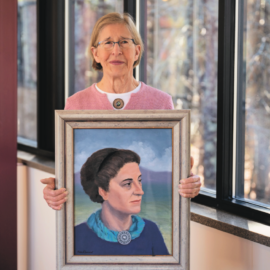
{"x": 154, "y": 146}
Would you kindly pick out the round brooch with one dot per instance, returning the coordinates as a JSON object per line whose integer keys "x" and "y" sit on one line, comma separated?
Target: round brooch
{"x": 124, "y": 237}
{"x": 118, "y": 103}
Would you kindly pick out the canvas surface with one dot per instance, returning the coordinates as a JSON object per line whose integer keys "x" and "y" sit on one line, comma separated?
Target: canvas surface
{"x": 154, "y": 146}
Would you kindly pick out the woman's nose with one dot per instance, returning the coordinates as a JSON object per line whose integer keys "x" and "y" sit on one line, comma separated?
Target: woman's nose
{"x": 138, "y": 189}
{"x": 116, "y": 49}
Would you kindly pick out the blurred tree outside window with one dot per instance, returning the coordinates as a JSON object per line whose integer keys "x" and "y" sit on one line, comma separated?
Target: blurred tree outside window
{"x": 255, "y": 109}
{"x": 181, "y": 59}
{"x": 27, "y": 72}
{"x": 181, "y": 56}
{"x": 86, "y": 13}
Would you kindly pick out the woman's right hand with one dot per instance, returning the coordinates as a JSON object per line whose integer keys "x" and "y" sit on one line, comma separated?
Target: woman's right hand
{"x": 54, "y": 198}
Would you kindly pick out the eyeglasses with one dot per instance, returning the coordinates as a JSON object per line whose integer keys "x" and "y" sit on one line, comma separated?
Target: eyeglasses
{"x": 123, "y": 44}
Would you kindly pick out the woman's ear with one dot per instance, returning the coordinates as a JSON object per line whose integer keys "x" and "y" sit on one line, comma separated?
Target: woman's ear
{"x": 103, "y": 193}
{"x": 95, "y": 54}
{"x": 137, "y": 52}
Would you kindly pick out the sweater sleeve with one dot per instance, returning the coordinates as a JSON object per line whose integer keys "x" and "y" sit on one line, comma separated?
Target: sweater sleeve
{"x": 169, "y": 105}
{"x": 67, "y": 105}
{"x": 160, "y": 100}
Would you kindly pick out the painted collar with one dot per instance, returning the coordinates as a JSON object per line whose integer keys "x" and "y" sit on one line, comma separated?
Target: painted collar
{"x": 94, "y": 222}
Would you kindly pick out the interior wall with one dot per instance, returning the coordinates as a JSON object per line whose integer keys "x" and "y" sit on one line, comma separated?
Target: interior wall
{"x": 8, "y": 134}
{"x": 211, "y": 249}
{"x": 22, "y": 217}
{"x": 40, "y": 245}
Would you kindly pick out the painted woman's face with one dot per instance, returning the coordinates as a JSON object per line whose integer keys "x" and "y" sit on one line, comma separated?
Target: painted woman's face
{"x": 125, "y": 190}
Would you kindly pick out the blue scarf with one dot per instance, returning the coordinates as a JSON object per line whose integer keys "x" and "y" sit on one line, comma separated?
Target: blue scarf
{"x": 94, "y": 222}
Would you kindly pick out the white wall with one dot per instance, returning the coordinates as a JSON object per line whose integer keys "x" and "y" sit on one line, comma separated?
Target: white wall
{"x": 210, "y": 249}
{"x": 41, "y": 246}
{"x": 22, "y": 217}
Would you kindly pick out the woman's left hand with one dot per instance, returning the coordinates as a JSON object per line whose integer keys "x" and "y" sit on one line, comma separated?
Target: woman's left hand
{"x": 190, "y": 187}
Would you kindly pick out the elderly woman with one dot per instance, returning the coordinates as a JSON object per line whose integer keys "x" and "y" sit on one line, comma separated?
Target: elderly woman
{"x": 112, "y": 177}
{"x": 116, "y": 49}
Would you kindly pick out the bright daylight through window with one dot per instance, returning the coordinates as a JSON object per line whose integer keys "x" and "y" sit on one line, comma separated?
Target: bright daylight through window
{"x": 179, "y": 37}
{"x": 86, "y": 13}
{"x": 182, "y": 47}
{"x": 254, "y": 102}
{"x": 27, "y": 72}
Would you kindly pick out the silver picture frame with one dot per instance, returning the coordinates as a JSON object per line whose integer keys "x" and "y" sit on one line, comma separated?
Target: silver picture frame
{"x": 179, "y": 123}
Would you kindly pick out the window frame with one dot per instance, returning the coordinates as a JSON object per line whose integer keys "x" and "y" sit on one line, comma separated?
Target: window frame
{"x": 131, "y": 8}
{"x": 54, "y": 46}
{"x": 227, "y": 92}
{"x": 50, "y": 74}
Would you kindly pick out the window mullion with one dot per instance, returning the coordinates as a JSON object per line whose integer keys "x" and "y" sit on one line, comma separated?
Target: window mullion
{"x": 240, "y": 104}
{"x": 225, "y": 99}
{"x": 69, "y": 49}
{"x": 143, "y": 32}
{"x": 50, "y": 68}
{"x": 130, "y": 7}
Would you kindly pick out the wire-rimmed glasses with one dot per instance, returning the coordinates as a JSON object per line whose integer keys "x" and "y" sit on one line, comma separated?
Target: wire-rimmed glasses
{"x": 123, "y": 43}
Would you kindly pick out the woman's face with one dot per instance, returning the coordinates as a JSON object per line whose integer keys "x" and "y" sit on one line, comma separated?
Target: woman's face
{"x": 116, "y": 62}
{"x": 125, "y": 190}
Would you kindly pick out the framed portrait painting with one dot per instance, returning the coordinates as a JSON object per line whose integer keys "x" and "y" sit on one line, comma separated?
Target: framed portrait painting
{"x": 122, "y": 171}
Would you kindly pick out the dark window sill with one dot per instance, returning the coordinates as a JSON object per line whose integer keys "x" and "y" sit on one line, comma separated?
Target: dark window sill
{"x": 230, "y": 223}
{"x": 208, "y": 216}
{"x": 37, "y": 162}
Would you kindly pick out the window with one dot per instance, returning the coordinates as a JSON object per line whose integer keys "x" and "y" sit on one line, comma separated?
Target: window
{"x": 82, "y": 16}
{"x": 27, "y": 73}
{"x": 181, "y": 39}
{"x": 253, "y": 103}
{"x": 177, "y": 47}
{"x": 243, "y": 122}
{"x": 211, "y": 56}
{"x": 40, "y": 73}
{"x": 86, "y": 13}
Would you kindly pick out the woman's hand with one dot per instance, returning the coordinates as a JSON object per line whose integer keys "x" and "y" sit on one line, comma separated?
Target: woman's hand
{"x": 190, "y": 187}
{"x": 54, "y": 198}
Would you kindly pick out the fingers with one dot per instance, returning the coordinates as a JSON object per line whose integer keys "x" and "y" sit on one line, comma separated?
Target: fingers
{"x": 191, "y": 162}
{"x": 53, "y": 193}
{"x": 55, "y": 207}
{"x": 191, "y": 165}
{"x": 58, "y": 204}
{"x": 190, "y": 193}
{"x": 50, "y": 182}
{"x": 54, "y": 198}
{"x": 192, "y": 179}
{"x": 190, "y": 187}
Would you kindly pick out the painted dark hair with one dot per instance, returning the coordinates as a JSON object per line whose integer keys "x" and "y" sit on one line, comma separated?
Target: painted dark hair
{"x": 101, "y": 167}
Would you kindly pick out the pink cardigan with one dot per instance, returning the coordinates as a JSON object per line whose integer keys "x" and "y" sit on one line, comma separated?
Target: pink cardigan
{"x": 148, "y": 98}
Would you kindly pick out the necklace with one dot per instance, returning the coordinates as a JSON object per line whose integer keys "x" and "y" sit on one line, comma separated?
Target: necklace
{"x": 118, "y": 103}
{"x": 95, "y": 223}
{"x": 124, "y": 237}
